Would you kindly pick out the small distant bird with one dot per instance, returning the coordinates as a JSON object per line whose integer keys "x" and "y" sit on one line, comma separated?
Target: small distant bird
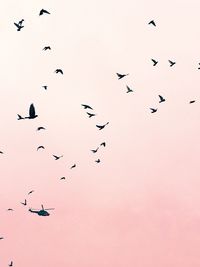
{"x": 161, "y": 99}
{"x": 11, "y": 264}
{"x": 45, "y": 87}
{"x": 32, "y": 114}
{"x": 62, "y": 178}
{"x": 20, "y": 117}
{"x": 172, "y": 63}
{"x": 97, "y": 161}
{"x": 91, "y": 115}
{"x": 129, "y": 90}
{"x": 120, "y": 76}
{"x": 19, "y": 27}
{"x": 59, "y": 71}
{"x": 9, "y": 209}
{"x": 95, "y": 150}
{"x": 103, "y": 144}
{"x": 30, "y": 192}
{"x": 57, "y": 157}
{"x": 152, "y": 22}
{"x": 153, "y": 110}
{"x": 86, "y": 106}
{"x": 73, "y": 166}
{"x": 102, "y": 126}
{"x": 40, "y": 147}
{"x": 154, "y": 62}
{"x": 1, "y": 237}
{"x": 1, "y": 152}
{"x": 46, "y": 48}
{"x": 43, "y": 11}
{"x": 199, "y": 67}
{"x": 24, "y": 203}
{"x": 41, "y": 128}
{"x": 192, "y": 101}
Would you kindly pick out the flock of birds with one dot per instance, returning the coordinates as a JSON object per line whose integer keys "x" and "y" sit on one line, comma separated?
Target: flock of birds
{"x": 89, "y": 111}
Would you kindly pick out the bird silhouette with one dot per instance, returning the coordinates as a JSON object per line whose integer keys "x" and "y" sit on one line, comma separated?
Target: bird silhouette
{"x": 90, "y": 115}
{"x": 57, "y": 157}
{"x": 39, "y": 147}
{"x": 129, "y": 90}
{"x": 192, "y": 101}
{"x": 102, "y": 126}
{"x": 19, "y": 27}
{"x": 41, "y": 128}
{"x": 153, "y": 110}
{"x": 46, "y": 48}
{"x": 97, "y": 161}
{"x": 1, "y": 152}
{"x": 1, "y": 238}
{"x": 95, "y": 150}
{"x": 154, "y": 62}
{"x": 30, "y": 192}
{"x": 43, "y": 11}
{"x": 24, "y": 203}
{"x": 103, "y": 144}
{"x": 32, "y": 114}
{"x": 73, "y": 166}
{"x": 9, "y": 209}
{"x": 172, "y": 63}
{"x": 20, "y": 117}
{"x": 161, "y": 99}
{"x": 120, "y": 76}
{"x": 58, "y": 71}
{"x": 11, "y": 264}
{"x": 62, "y": 178}
{"x": 86, "y": 106}
{"x": 20, "y": 22}
{"x": 152, "y": 22}
{"x": 45, "y": 87}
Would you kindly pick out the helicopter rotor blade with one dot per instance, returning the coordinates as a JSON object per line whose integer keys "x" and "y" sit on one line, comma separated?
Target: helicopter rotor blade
{"x": 42, "y": 207}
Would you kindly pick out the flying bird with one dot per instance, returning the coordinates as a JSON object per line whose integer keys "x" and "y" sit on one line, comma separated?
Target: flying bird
{"x": 86, "y": 106}
{"x": 41, "y": 128}
{"x": 59, "y": 71}
{"x": 172, "y": 63}
{"x": 120, "y": 76}
{"x": 11, "y": 264}
{"x": 1, "y": 152}
{"x": 19, "y": 27}
{"x": 57, "y": 157}
{"x": 30, "y": 192}
{"x": 129, "y": 90}
{"x": 90, "y": 115}
{"x": 20, "y": 22}
{"x": 43, "y": 11}
{"x": 62, "y": 178}
{"x": 161, "y": 99}
{"x": 45, "y": 87}
{"x": 153, "y": 110}
{"x": 192, "y": 101}
{"x": 46, "y": 48}
{"x": 95, "y": 150}
{"x": 9, "y": 209}
{"x": 97, "y": 161}
{"x": 1, "y": 237}
{"x": 152, "y": 22}
{"x": 40, "y": 147}
{"x": 20, "y": 117}
{"x": 73, "y": 166}
{"x": 32, "y": 114}
{"x": 24, "y": 203}
{"x": 102, "y": 126}
{"x": 103, "y": 144}
{"x": 154, "y": 62}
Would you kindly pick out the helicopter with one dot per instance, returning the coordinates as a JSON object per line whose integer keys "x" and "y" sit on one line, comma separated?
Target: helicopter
{"x": 42, "y": 212}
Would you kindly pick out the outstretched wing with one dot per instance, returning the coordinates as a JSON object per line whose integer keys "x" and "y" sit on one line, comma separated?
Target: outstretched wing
{"x": 161, "y": 98}
{"x": 16, "y": 25}
{"x": 32, "y": 111}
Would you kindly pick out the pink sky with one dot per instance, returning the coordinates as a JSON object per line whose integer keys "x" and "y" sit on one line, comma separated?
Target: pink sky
{"x": 140, "y": 206}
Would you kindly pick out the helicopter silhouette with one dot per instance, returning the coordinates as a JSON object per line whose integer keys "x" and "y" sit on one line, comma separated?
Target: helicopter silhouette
{"x": 42, "y": 212}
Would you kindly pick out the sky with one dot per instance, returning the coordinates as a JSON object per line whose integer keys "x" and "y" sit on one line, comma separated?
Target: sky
{"x": 140, "y": 205}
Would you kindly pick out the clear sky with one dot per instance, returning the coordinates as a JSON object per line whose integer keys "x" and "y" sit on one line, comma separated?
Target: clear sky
{"x": 140, "y": 206}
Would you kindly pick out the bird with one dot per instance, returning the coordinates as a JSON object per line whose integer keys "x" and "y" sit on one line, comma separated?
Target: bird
{"x": 57, "y": 157}
{"x": 62, "y": 178}
{"x": 19, "y": 27}
{"x": 1, "y": 152}
{"x": 41, "y": 128}
{"x": 153, "y": 110}
{"x": 91, "y": 115}
{"x": 102, "y": 126}
{"x": 154, "y": 62}
{"x": 59, "y": 71}
{"x": 11, "y": 264}
{"x": 120, "y": 76}
{"x": 95, "y": 150}
{"x": 43, "y": 11}
{"x": 24, "y": 203}
{"x": 192, "y": 101}
{"x": 46, "y": 48}
{"x": 97, "y": 161}
{"x": 9, "y": 209}
{"x": 86, "y": 106}
{"x": 161, "y": 99}
{"x": 73, "y": 166}
{"x": 103, "y": 144}
{"x": 152, "y": 22}
{"x": 30, "y": 192}
{"x": 45, "y": 87}
{"x": 39, "y": 147}
{"x": 129, "y": 90}
{"x": 20, "y": 117}
{"x": 1, "y": 238}
{"x": 32, "y": 114}
{"x": 199, "y": 67}
{"x": 20, "y": 22}
{"x": 172, "y": 63}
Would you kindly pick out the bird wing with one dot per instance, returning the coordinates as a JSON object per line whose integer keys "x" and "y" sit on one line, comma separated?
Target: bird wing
{"x": 161, "y": 98}
{"x": 16, "y": 25}
{"x": 45, "y": 11}
{"x": 32, "y": 110}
